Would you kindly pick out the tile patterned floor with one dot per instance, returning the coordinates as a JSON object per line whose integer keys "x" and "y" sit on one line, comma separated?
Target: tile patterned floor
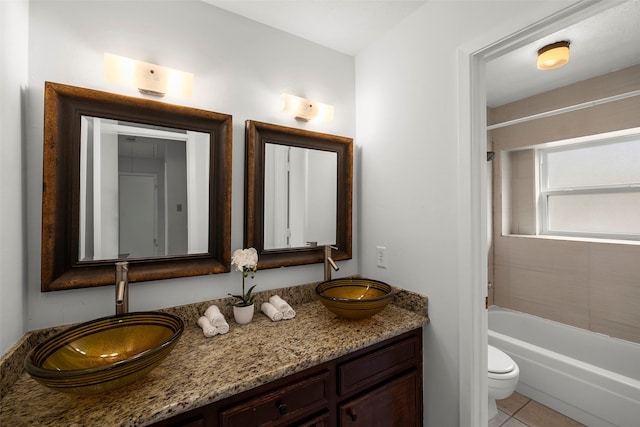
{"x": 520, "y": 411}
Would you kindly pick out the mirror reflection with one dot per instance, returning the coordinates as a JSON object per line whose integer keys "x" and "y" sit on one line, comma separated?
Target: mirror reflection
{"x": 143, "y": 190}
{"x": 298, "y": 193}
{"x": 135, "y": 179}
{"x": 302, "y": 184}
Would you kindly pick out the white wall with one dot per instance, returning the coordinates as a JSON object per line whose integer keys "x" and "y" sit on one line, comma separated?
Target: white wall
{"x": 407, "y": 132}
{"x": 14, "y": 33}
{"x": 406, "y": 135}
{"x": 240, "y": 68}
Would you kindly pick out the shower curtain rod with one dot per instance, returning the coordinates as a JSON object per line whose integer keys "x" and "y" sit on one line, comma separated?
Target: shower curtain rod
{"x": 565, "y": 109}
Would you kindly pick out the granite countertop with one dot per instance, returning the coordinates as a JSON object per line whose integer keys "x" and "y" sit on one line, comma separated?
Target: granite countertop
{"x": 203, "y": 370}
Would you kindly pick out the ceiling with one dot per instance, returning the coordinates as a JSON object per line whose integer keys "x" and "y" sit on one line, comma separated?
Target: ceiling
{"x": 347, "y": 26}
{"x": 603, "y": 43}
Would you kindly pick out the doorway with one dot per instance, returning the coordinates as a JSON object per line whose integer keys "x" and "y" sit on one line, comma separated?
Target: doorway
{"x": 473, "y": 274}
{"x": 137, "y": 212}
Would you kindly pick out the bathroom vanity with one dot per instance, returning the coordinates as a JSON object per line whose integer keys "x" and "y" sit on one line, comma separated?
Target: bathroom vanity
{"x": 313, "y": 370}
{"x": 378, "y": 385}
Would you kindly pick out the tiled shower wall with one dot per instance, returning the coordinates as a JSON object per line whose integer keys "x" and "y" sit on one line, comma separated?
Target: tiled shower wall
{"x": 594, "y": 286}
{"x": 589, "y": 284}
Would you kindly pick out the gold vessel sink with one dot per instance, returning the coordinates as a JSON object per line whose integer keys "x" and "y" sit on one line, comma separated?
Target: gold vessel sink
{"x": 104, "y": 354}
{"x": 354, "y": 298}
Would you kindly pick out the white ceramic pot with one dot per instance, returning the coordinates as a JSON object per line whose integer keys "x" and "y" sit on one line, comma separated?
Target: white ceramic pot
{"x": 243, "y": 315}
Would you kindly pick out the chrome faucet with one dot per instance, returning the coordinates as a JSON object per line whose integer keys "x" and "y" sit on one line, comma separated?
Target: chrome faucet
{"x": 122, "y": 287}
{"x": 329, "y": 263}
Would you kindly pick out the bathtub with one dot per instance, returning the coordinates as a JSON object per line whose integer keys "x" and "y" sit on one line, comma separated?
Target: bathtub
{"x": 590, "y": 377}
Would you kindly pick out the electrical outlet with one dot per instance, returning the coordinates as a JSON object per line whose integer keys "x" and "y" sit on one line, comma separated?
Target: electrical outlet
{"x": 381, "y": 256}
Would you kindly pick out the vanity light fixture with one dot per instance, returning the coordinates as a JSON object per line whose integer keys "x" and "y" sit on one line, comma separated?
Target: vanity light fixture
{"x": 150, "y": 79}
{"x": 553, "y": 55}
{"x": 306, "y": 109}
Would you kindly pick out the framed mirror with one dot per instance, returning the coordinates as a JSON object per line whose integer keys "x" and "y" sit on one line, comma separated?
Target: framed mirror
{"x": 298, "y": 194}
{"x": 130, "y": 179}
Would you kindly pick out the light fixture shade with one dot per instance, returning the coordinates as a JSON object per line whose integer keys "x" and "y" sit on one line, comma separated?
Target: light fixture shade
{"x": 150, "y": 79}
{"x": 554, "y": 55}
{"x": 306, "y": 109}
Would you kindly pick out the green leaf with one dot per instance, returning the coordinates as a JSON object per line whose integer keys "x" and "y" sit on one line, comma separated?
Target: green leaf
{"x": 249, "y": 291}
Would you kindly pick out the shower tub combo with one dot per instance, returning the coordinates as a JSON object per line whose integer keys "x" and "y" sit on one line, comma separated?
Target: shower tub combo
{"x": 590, "y": 377}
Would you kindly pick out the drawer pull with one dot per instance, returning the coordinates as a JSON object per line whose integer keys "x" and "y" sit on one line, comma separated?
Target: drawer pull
{"x": 353, "y": 415}
{"x": 282, "y": 407}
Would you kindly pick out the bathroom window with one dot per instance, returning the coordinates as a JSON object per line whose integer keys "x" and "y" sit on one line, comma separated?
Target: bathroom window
{"x": 591, "y": 190}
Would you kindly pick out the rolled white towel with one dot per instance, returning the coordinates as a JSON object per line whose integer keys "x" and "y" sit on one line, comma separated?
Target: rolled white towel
{"x": 215, "y": 317}
{"x": 208, "y": 329}
{"x": 288, "y": 313}
{"x": 223, "y": 328}
{"x": 278, "y": 302}
{"x": 271, "y": 312}
{"x": 281, "y": 305}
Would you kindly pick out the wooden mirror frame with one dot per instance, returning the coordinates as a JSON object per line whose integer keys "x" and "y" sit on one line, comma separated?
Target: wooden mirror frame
{"x": 63, "y": 108}
{"x": 257, "y": 135}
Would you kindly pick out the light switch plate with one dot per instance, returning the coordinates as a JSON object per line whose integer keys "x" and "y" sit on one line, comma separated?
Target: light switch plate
{"x": 381, "y": 256}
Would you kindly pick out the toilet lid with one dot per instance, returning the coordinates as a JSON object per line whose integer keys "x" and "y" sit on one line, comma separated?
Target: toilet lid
{"x": 499, "y": 361}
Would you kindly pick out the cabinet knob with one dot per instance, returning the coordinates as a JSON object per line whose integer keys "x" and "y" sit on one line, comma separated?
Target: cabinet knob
{"x": 282, "y": 407}
{"x": 352, "y": 414}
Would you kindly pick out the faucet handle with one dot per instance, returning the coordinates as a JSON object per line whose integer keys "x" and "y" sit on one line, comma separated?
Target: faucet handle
{"x": 122, "y": 266}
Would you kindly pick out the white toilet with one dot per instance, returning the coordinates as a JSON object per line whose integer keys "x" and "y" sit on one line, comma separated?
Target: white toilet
{"x": 503, "y": 377}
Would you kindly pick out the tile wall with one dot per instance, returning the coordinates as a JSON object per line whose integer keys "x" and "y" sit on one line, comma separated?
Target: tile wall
{"x": 592, "y": 285}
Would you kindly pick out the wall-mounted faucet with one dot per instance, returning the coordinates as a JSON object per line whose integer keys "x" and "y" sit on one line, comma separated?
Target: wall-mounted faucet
{"x": 122, "y": 287}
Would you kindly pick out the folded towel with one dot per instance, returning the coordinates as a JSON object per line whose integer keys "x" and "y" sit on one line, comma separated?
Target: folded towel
{"x": 208, "y": 329}
{"x": 215, "y": 317}
{"x": 282, "y": 306}
{"x": 271, "y": 312}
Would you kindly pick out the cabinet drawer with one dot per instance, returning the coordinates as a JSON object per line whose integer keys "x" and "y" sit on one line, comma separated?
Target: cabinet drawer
{"x": 321, "y": 420}
{"x": 281, "y": 406}
{"x": 376, "y": 366}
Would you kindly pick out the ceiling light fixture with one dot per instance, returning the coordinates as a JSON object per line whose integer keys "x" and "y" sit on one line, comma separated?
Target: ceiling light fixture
{"x": 553, "y": 55}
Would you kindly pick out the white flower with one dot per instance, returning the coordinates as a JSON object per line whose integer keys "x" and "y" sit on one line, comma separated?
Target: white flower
{"x": 245, "y": 259}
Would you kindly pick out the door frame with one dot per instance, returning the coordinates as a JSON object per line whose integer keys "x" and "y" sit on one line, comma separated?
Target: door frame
{"x": 472, "y": 188}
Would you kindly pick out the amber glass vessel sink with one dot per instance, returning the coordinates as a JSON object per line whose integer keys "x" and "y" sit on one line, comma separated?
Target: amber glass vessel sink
{"x": 354, "y": 298}
{"x": 104, "y": 354}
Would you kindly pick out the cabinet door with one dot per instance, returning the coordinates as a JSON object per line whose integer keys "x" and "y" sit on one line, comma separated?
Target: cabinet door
{"x": 394, "y": 404}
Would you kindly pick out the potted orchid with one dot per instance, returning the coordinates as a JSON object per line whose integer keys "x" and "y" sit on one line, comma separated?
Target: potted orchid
{"x": 246, "y": 261}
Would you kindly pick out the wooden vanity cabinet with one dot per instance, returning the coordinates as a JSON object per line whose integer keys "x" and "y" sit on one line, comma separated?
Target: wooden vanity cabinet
{"x": 393, "y": 404}
{"x": 380, "y": 385}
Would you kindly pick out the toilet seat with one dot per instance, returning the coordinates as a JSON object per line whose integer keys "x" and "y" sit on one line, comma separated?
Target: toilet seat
{"x": 499, "y": 362}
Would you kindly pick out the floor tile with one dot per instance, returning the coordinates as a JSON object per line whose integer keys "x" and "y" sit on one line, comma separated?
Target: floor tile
{"x": 498, "y": 420}
{"x": 513, "y": 423}
{"x": 513, "y": 403}
{"x": 535, "y": 414}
